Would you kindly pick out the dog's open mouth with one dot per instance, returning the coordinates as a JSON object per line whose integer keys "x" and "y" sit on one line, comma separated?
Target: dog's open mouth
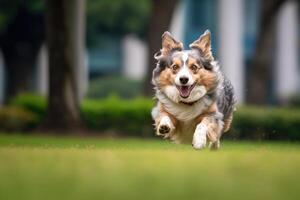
{"x": 185, "y": 90}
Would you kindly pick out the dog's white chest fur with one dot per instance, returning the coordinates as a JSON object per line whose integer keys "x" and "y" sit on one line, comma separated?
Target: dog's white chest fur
{"x": 185, "y": 114}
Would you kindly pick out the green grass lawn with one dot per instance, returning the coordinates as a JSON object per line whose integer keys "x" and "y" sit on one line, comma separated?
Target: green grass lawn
{"x": 33, "y": 167}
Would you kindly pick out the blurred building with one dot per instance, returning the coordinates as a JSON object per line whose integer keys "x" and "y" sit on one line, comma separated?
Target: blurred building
{"x": 233, "y": 24}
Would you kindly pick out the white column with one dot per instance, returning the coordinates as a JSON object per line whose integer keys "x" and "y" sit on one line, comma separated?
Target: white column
{"x": 230, "y": 49}
{"x": 177, "y": 22}
{"x": 1, "y": 78}
{"x": 81, "y": 63}
{"x": 134, "y": 57}
{"x": 42, "y": 71}
{"x": 287, "y": 53}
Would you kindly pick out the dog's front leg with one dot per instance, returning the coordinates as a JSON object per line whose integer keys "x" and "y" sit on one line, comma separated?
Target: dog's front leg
{"x": 209, "y": 128}
{"x": 164, "y": 125}
{"x": 164, "y": 122}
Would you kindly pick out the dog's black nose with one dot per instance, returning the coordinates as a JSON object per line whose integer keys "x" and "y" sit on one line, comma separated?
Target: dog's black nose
{"x": 183, "y": 80}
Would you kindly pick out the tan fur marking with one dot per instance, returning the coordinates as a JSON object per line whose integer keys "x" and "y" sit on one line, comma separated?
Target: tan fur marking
{"x": 191, "y": 61}
{"x": 162, "y": 113}
{"x": 202, "y": 76}
{"x": 166, "y": 77}
{"x": 211, "y": 109}
{"x": 178, "y": 62}
{"x": 169, "y": 43}
{"x": 206, "y": 78}
{"x": 204, "y": 45}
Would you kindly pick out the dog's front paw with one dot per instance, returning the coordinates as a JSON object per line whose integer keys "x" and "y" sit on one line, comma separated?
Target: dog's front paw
{"x": 164, "y": 129}
{"x": 199, "y": 139}
{"x": 165, "y": 126}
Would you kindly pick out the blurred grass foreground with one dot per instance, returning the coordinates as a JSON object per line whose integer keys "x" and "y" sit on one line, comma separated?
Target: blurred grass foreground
{"x": 68, "y": 168}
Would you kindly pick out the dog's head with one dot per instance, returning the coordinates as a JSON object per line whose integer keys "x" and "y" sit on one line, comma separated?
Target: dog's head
{"x": 185, "y": 75}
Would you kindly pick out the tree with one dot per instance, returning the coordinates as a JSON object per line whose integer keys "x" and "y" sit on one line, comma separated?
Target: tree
{"x": 22, "y": 34}
{"x": 160, "y": 18}
{"x": 260, "y": 69}
{"x": 115, "y": 17}
{"x": 61, "y": 30}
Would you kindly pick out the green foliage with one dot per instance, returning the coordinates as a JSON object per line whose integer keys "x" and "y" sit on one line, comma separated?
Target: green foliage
{"x": 35, "y": 5}
{"x": 9, "y": 9}
{"x": 132, "y": 117}
{"x": 32, "y": 102}
{"x": 116, "y": 17}
{"x": 24, "y": 112}
{"x": 17, "y": 119}
{"x": 295, "y": 101}
{"x": 125, "y": 116}
{"x": 266, "y": 123}
{"x": 120, "y": 86}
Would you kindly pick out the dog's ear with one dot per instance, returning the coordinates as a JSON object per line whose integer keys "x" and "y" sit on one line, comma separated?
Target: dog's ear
{"x": 203, "y": 44}
{"x": 169, "y": 44}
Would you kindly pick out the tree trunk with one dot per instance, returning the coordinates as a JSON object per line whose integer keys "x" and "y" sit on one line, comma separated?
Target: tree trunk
{"x": 260, "y": 69}
{"x": 159, "y": 22}
{"x": 20, "y": 43}
{"x": 63, "y": 102}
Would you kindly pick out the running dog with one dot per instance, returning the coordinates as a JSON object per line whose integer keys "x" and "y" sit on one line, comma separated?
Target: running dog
{"x": 195, "y": 101}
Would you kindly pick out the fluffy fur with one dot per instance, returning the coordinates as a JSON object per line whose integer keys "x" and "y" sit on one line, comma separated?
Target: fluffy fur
{"x": 195, "y": 102}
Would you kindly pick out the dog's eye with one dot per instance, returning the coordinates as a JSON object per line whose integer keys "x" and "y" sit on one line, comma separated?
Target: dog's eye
{"x": 175, "y": 67}
{"x": 195, "y": 68}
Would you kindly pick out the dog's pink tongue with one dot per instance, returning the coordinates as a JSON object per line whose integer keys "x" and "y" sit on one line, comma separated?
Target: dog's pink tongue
{"x": 184, "y": 91}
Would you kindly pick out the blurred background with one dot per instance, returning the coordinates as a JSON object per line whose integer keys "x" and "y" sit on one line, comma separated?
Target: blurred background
{"x": 87, "y": 64}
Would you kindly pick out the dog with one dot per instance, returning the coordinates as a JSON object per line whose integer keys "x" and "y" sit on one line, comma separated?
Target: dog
{"x": 195, "y": 101}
